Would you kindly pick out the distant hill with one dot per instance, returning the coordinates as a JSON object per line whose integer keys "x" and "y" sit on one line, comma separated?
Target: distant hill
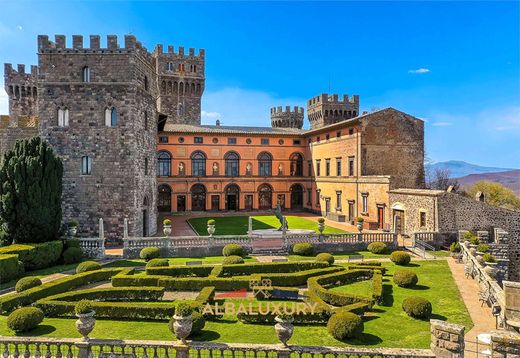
{"x": 461, "y": 169}
{"x": 510, "y": 179}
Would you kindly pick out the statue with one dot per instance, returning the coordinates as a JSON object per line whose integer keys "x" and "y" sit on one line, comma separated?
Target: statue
{"x": 181, "y": 168}
{"x": 283, "y": 221}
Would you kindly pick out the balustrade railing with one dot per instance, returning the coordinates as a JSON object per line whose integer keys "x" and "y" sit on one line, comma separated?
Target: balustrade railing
{"x": 92, "y": 247}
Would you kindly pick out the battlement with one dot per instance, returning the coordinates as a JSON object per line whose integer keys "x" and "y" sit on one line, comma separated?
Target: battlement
{"x": 279, "y": 110}
{"x": 287, "y": 118}
{"x": 325, "y": 98}
{"x": 60, "y": 44}
{"x": 159, "y": 50}
{"x": 9, "y": 71}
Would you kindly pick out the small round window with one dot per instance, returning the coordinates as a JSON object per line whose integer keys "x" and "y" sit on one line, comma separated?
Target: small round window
{"x": 181, "y": 139}
{"x": 281, "y": 142}
{"x": 248, "y": 140}
{"x": 215, "y": 140}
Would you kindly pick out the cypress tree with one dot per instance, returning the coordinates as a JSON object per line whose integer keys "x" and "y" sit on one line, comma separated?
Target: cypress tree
{"x": 30, "y": 193}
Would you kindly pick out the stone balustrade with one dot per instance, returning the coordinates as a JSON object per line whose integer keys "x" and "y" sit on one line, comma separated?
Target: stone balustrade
{"x": 93, "y": 248}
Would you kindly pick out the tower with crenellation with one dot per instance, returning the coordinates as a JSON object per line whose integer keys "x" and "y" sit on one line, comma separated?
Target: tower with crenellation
{"x": 324, "y": 109}
{"x": 281, "y": 118}
{"x": 181, "y": 82}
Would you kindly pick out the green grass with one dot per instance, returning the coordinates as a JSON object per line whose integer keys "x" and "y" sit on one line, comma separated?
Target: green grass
{"x": 238, "y": 225}
{"x": 40, "y": 273}
{"x": 174, "y": 261}
{"x": 386, "y": 326}
{"x": 440, "y": 253}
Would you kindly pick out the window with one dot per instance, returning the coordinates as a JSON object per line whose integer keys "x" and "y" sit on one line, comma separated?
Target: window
{"x": 338, "y": 200}
{"x": 198, "y": 140}
{"x": 318, "y": 167}
{"x": 422, "y": 219}
{"x": 327, "y": 167}
{"x": 351, "y": 166}
{"x": 338, "y": 167}
{"x": 327, "y": 137}
{"x": 86, "y": 165}
{"x": 145, "y": 166}
{"x": 232, "y": 164}
{"x": 309, "y": 197}
{"x": 231, "y": 141}
{"x": 318, "y": 197}
{"x": 351, "y": 131}
{"x": 364, "y": 209}
{"x": 85, "y": 74}
{"x": 296, "y": 142}
{"x": 110, "y": 117}
{"x": 198, "y": 164}
{"x": 309, "y": 168}
{"x": 164, "y": 164}
{"x": 338, "y": 134}
{"x": 264, "y": 141}
{"x": 265, "y": 164}
{"x": 163, "y": 139}
{"x": 296, "y": 164}
{"x": 318, "y": 139}
{"x": 168, "y": 66}
{"x": 63, "y": 117}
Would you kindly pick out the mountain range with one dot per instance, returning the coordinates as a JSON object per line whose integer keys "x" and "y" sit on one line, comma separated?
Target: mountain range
{"x": 460, "y": 169}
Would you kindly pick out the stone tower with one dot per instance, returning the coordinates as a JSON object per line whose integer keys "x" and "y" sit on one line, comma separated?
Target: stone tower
{"x": 22, "y": 89}
{"x": 324, "y": 109}
{"x": 287, "y": 119}
{"x": 97, "y": 108}
{"x": 181, "y": 84}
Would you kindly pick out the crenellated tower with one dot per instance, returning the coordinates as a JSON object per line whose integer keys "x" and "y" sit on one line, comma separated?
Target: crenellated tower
{"x": 286, "y": 118}
{"x": 22, "y": 89}
{"x": 181, "y": 81}
{"x": 324, "y": 109}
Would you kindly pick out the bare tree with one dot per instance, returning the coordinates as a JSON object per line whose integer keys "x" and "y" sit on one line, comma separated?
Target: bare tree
{"x": 441, "y": 180}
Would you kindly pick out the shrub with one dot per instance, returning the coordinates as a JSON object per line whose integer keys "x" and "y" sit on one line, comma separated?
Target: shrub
{"x": 303, "y": 249}
{"x": 25, "y": 319}
{"x": 321, "y": 220}
{"x": 344, "y": 325}
{"x": 474, "y": 240}
{"x": 377, "y": 247}
{"x": 149, "y": 253}
{"x": 405, "y": 278}
{"x": 10, "y": 267}
{"x": 26, "y": 283}
{"x": 72, "y": 255}
{"x": 71, "y": 243}
{"x": 489, "y": 258}
{"x": 211, "y": 222}
{"x": 181, "y": 271}
{"x": 360, "y": 220}
{"x": 198, "y": 323}
{"x": 233, "y": 260}
{"x": 455, "y": 247}
{"x": 183, "y": 310}
{"x": 417, "y": 307}
{"x": 400, "y": 258}
{"x": 83, "y": 307}
{"x": 158, "y": 263}
{"x": 36, "y": 256}
{"x": 207, "y": 294}
{"x": 467, "y": 235}
{"x": 325, "y": 257}
{"x": 88, "y": 266}
{"x": 73, "y": 223}
{"x": 167, "y": 222}
{"x": 483, "y": 248}
{"x": 233, "y": 250}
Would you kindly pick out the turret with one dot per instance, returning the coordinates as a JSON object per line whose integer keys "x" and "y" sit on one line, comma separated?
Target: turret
{"x": 324, "y": 109}
{"x": 286, "y": 118}
{"x": 21, "y": 87}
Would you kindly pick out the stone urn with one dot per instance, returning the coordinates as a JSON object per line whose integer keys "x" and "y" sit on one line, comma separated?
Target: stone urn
{"x": 167, "y": 230}
{"x": 181, "y": 327}
{"x": 321, "y": 227}
{"x": 473, "y": 250}
{"x": 284, "y": 329}
{"x": 211, "y": 230}
{"x": 491, "y": 269}
{"x": 73, "y": 230}
{"x": 360, "y": 226}
{"x": 85, "y": 323}
{"x": 480, "y": 258}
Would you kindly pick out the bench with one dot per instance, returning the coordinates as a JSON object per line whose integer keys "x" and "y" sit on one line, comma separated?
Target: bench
{"x": 484, "y": 297}
{"x": 281, "y": 259}
{"x": 193, "y": 263}
{"x": 355, "y": 258}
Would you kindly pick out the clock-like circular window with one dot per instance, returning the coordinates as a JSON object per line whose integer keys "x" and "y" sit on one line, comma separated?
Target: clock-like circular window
{"x": 181, "y": 139}
{"x": 281, "y": 142}
{"x": 215, "y": 140}
{"x": 248, "y": 141}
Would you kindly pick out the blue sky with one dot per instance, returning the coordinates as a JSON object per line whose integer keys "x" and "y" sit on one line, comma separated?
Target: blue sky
{"x": 453, "y": 64}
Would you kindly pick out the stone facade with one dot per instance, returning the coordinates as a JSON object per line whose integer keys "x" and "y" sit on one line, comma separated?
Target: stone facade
{"x": 286, "y": 118}
{"x": 447, "y": 339}
{"x": 324, "y": 109}
{"x": 11, "y": 131}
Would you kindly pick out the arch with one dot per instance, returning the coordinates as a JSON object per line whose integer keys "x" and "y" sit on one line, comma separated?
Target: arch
{"x": 175, "y": 87}
{"x": 163, "y": 87}
{"x": 198, "y": 163}
{"x": 296, "y": 160}
{"x": 164, "y": 160}
{"x": 85, "y": 74}
{"x": 265, "y": 164}
{"x": 193, "y": 88}
{"x": 181, "y": 88}
{"x": 63, "y": 117}
{"x": 198, "y": 197}
{"x": 397, "y": 206}
{"x": 86, "y": 165}
{"x": 145, "y": 216}
{"x": 296, "y": 196}
{"x": 265, "y": 196}
{"x": 169, "y": 87}
{"x": 164, "y": 198}
{"x": 232, "y": 192}
{"x": 232, "y": 160}
{"x": 110, "y": 117}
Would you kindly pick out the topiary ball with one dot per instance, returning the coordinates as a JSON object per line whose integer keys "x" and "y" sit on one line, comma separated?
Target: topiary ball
{"x": 233, "y": 260}
{"x": 377, "y": 248}
{"x": 303, "y": 249}
{"x": 158, "y": 263}
{"x": 342, "y": 325}
{"x": 149, "y": 253}
{"x": 25, "y": 319}
{"x": 26, "y": 283}
{"x": 400, "y": 258}
{"x": 405, "y": 278}
{"x": 198, "y": 323}
{"x": 88, "y": 266}
{"x": 325, "y": 257}
{"x": 233, "y": 250}
{"x": 417, "y": 307}
{"x": 72, "y": 255}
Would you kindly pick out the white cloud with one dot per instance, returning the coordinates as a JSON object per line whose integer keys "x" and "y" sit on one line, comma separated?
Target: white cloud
{"x": 419, "y": 71}
{"x": 210, "y": 115}
{"x": 442, "y": 124}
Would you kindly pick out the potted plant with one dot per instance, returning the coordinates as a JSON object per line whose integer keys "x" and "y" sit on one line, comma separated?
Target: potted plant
{"x": 211, "y": 227}
{"x": 491, "y": 263}
{"x": 86, "y": 321}
{"x": 73, "y": 227}
{"x": 321, "y": 225}
{"x": 167, "y": 227}
{"x": 455, "y": 249}
{"x": 466, "y": 237}
{"x": 284, "y": 327}
{"x": 360, "y": 222}
{"x": 181, "y": 323}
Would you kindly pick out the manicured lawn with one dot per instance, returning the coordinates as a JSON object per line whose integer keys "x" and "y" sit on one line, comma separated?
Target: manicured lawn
{"x": 237, "y": 225}
{"x": 41, "y": 273}
{"x": 174, "y": 261}
{"x": 440, "y": 253}
{"x": 365, "y": 254}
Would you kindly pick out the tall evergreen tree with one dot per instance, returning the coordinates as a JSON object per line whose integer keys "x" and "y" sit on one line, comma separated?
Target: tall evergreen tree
{"x": 30, "y": 193}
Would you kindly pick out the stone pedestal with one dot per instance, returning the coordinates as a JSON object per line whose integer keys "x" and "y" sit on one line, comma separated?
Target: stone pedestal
{"x": 505, "y": 344}
{"x": 447, "y": 339}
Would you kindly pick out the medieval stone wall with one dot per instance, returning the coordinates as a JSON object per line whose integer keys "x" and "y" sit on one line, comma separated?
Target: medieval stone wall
{"x": 324, "y": 109}
{"x": 286, "y": 118}
{"x": 11, "y": 132}
{"x": 22, "y": 90}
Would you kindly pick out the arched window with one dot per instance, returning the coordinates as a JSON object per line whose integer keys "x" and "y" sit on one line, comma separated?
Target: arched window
{"x": 296, "y": 164}
{"x": 85, "y": 74}
{"x": 86, "y": 165}
{"x": 232, "y": 164}
{"x": 110, "y": 117}
{"x": 198, "y": 164}
{"x": 265, "y": 164}
{"x": 265, "y": 197}
{"x": 63, "y": 117}
{"x": 164, "y": 199}
{"x": 164, "y": 160}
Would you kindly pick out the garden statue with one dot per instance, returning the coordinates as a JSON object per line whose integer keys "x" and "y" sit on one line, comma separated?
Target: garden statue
{"x": 215, "y": 169}
{"x": 248, "y": 169}
{"x": 283, "y": 223}
{"x": 181, "y": 168}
